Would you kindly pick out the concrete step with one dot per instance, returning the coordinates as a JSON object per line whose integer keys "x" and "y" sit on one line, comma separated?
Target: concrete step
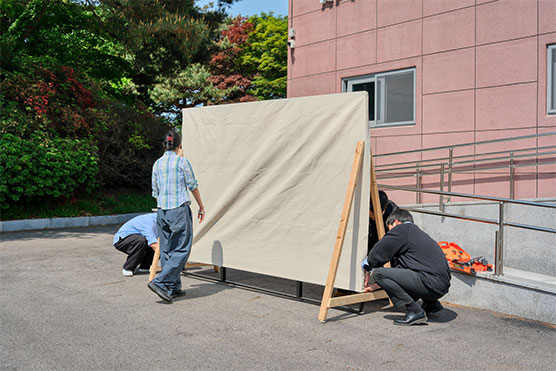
{"x": 534, "y": 281}
{"x": 518, "y": 293}
{"x": 56, "y": 223}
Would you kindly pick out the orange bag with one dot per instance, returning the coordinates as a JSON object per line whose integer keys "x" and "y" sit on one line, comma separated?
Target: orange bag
{"x": 459, "y": 260}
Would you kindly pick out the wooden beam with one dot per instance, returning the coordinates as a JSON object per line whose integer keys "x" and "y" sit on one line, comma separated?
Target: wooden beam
{"x": 152, "y": 271}
{"x": 197, "y": 265}
{"x": 376, "y": 202}
{"x": 357, "y": 298}
{"x": 379, "y": 220}
{"x": 355, "y": 169}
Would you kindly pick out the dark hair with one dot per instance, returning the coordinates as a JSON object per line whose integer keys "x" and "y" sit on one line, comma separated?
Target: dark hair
{"x": 172, "y": 140}
{"x": 401, "y": 215}
{"x": 383, "y": 197}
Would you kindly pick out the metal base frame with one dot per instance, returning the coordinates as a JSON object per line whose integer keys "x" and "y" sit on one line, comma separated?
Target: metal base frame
{"x": 298, "y": 296}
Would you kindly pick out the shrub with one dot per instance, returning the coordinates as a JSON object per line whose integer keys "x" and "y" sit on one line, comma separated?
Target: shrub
{"x": 128, "y": 145}
{"x": 64, "y": 104}
{"x": 58, "y": 99}
{"x": 44, "y": 166}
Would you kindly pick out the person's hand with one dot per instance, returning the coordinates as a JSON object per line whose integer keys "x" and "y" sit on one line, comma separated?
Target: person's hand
{"x": 367, "y": 277}
{"x": 201, "y": 215}
{"x": 372, "y": 287}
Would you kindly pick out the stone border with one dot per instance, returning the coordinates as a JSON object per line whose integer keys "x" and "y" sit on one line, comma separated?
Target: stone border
{"x": 56, "y": 223}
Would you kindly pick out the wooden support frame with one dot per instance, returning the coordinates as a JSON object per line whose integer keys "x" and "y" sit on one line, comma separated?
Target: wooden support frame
{"x": 154, "y": 265}
{"x": 156, "y": 257}
{"x": 327, "y": 300}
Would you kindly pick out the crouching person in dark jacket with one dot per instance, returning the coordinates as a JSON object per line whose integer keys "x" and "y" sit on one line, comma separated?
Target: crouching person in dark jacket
{"x": 419, "y": 269}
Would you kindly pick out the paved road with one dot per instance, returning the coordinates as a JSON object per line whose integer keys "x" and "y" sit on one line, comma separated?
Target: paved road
{"x": 65, "y": 306}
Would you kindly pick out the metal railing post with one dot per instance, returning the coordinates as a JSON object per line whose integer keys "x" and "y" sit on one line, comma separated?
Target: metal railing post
{"x": 499, "y": 249}
{"x": 441, "y": 197}
{"x": 450, "y": 168}
{"x": 418, "y": 184}
{"x": 512, "y": 189}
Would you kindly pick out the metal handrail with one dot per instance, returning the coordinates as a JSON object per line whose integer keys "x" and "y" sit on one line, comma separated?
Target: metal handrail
{"x": 405, "y": 175}
{"x": 476, "y": 162}
{"x": 501, "y": 222}
{"x": 467, "y": 195}
{"x": 466, "y": 144}
{"x": 441, "y": 159}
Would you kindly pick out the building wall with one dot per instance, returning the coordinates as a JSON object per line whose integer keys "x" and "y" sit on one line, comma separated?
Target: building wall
{"x": 481, "y": 74}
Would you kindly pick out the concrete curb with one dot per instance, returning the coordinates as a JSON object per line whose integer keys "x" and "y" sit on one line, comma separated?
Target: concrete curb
{"x": 56, "y": 223}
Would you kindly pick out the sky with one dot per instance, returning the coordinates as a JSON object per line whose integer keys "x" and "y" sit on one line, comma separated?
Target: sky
{"x": 248, "y": 8}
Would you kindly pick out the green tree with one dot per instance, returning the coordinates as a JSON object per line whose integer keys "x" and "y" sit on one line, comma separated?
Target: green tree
{"x": 249, "y": 62}
{"x": 229, "y": 72}
{"x": 188, "y": 88}
{"x": 162, "y": 38}
{"x": 266, "y": 56}
{"x": 50, "y": 33}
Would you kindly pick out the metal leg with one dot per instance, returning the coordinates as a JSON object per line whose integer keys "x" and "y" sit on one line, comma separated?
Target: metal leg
{"x": 223, "y": 274}
{"x": 299, "y": 289}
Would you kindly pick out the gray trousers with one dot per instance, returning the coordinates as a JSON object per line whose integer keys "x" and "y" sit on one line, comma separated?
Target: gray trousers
{"x": 175, "y": 231}
{"x": 404, "y": 286}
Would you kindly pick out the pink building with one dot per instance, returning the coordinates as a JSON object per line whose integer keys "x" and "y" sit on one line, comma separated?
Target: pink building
{"x": 438, "y": 72}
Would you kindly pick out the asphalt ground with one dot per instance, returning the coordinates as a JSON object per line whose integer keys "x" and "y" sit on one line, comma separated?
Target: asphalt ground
{"x": 66, "y": 306}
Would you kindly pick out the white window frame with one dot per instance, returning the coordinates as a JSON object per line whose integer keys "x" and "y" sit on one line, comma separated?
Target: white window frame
{"x": 550, "y": 79}
{"x": 348, "y": 83}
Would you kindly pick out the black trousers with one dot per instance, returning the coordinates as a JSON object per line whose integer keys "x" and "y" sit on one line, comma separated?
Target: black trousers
{"x": 139, "y": 253}
{"x": 404, "y": 286}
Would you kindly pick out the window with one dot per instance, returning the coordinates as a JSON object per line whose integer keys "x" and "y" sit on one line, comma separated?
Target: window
{"x": 551, "y": 80}
{"x": 391, "y": 96}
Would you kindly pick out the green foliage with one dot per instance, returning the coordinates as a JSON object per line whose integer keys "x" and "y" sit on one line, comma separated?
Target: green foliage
{"x": 45, "y": 166}
{"x": 86, "y": 86}
{"x": 249, "y": 62}
{"x": 128, "y": 145}
{"x": 187, "y": 88}
{"x": 161, "y": 37}
{"x": 266, "y": 55}
{"x": 57, "y": 99}
{"x": 229, "y": 73}
{"x": 50, "y": 33}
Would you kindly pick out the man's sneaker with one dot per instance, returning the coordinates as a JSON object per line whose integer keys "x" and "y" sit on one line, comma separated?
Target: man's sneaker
{"x": 141, "y": 271}
{"x": 163, "y": 294}
{"x": 127, "y": 273}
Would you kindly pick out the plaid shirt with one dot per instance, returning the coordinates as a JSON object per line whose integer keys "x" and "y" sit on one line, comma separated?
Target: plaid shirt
{"x": 171, "y": 173}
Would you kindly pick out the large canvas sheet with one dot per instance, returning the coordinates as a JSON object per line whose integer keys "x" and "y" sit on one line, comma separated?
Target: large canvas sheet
{"x": 273, "y": 176}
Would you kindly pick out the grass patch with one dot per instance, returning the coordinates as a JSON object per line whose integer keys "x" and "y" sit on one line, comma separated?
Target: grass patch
{"x": 105, "y": 202}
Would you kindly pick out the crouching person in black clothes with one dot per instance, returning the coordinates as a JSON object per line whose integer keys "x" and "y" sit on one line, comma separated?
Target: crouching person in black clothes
{"x": 419, "y": 268}
{"x": 387, "y": 206}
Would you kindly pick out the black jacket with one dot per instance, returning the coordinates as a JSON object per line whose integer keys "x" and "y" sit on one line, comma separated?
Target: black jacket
{"x": 373, "y": 234}
{"x": 407, "y": 246}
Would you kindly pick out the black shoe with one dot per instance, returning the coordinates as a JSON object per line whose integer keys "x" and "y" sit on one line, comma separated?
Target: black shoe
{"x": 177, "y": 294}
{"x": 163, "y": 294}
{"x": 432, "y": 307}
{"x": 412, "y": 318}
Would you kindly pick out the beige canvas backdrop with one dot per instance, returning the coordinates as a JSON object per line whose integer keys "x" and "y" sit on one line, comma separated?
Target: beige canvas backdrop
{"x": 273, "y": 176}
